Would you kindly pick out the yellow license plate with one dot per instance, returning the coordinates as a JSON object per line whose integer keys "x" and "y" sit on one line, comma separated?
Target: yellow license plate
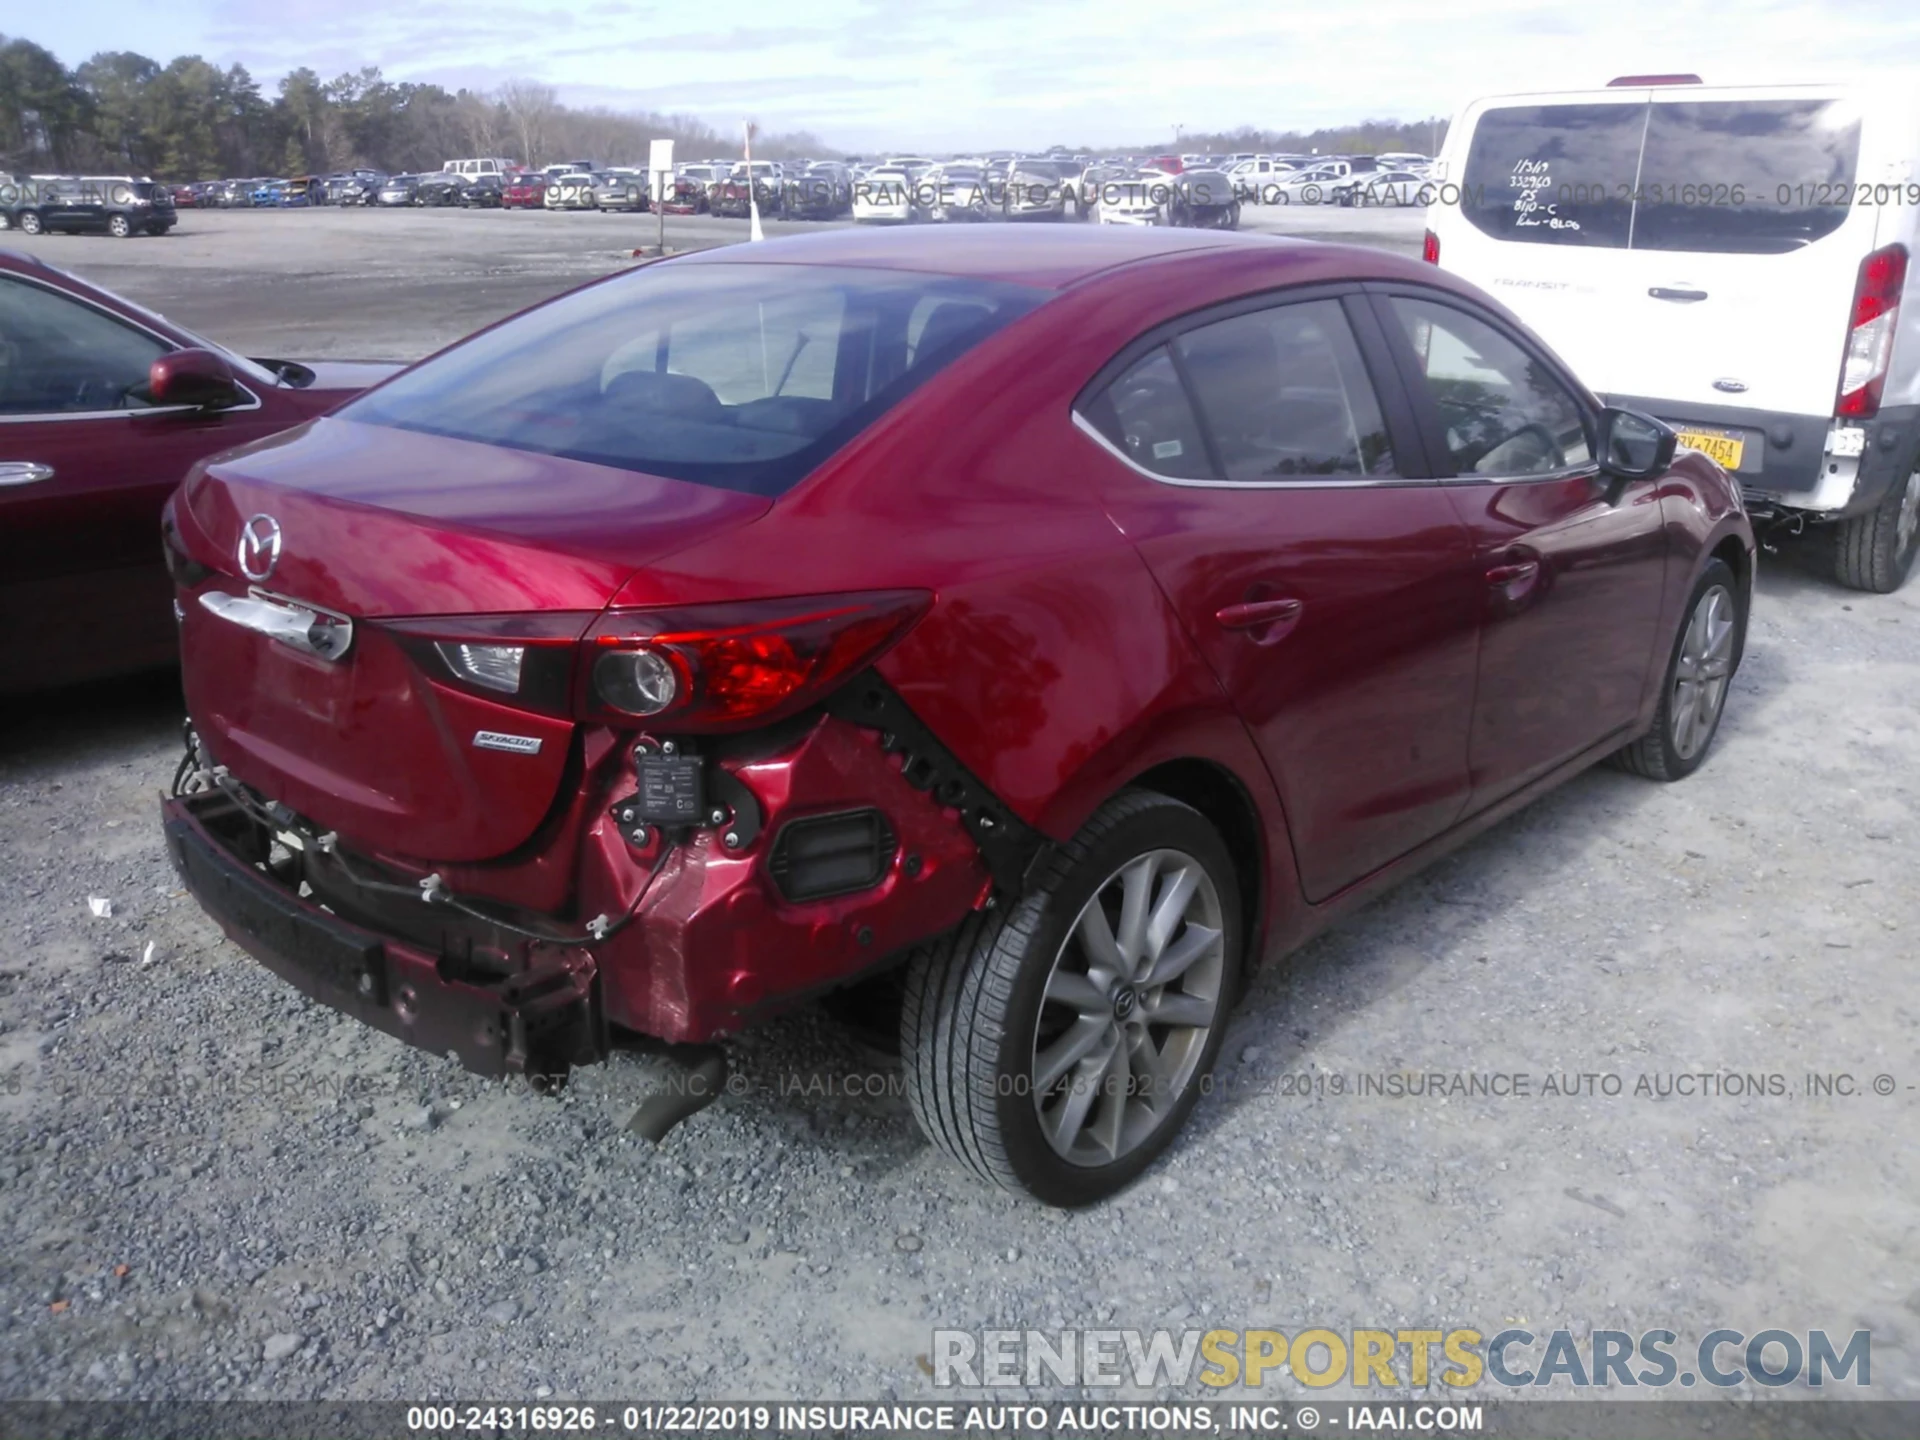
{"x": 1723, "y": 446}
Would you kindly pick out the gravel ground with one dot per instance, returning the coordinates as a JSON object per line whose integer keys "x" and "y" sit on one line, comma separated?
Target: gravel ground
{"x": 210, "y": 1187}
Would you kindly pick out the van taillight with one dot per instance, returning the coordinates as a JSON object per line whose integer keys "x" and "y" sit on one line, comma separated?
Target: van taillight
{"x": 1430, "y": 249}
{"x": 1876, "y": 311}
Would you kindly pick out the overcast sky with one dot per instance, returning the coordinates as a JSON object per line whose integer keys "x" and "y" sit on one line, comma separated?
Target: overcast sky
{"x": 942, "y": 74}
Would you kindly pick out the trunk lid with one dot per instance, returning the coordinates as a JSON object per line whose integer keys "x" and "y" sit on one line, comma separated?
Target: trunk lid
{"x": 378, "y": 525}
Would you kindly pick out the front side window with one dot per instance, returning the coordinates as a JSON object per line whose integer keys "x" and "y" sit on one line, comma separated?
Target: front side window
{"x": 1284, "y": 395}
{"x": 1506, "y": 415}
{"x": 744, "y": 376}
{"x": 58, "y": 356}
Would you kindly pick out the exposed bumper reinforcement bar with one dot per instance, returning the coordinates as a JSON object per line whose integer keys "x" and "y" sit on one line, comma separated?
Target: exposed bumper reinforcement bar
{"x": 539, "y": 1021}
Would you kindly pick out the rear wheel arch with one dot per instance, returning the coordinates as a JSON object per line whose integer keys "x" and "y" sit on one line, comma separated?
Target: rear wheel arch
{"x": 1733, "y": 553}
{"x": 1218, "y": 794}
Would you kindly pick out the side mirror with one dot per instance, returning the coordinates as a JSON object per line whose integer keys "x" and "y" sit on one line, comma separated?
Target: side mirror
{"x": 1634, "y": 446}
{"x": 193, "y": 377}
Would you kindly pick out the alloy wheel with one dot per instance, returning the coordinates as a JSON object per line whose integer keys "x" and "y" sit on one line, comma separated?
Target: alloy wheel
{"x": 1135, "y": 989}
{"x": 1908, "y": 524}
{"x": 1701, "y": 673}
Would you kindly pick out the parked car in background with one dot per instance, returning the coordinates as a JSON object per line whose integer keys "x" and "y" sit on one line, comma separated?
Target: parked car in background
{"x": 442, "y": 189}
{"x": 397, "y": 190}
{"x": 185, "y": 197}
{"x": 820, "y": 192}
{"x": 104, "y": 406}
{"x": 692, "y": 188}
{"x": 483, "y": 192}
{"x": 764, "y": 182}
{"x": 117, "y": 205}
{"x": 265, "y": 194}
{"x": 1404, "y": 188}
{"x": 302, "y": 190}
{"x": 1745, "y": 273}
{"x": 524, "y": 190}
{"x": 667, "y": 755}
{"x": 886, "y": 196}
{"x": 954, "y": 192}
{"x": 361, "y": 187}
{"x": 1132, "y": 197}
{"x": 1040, "y": 189}
{"x": 570, "y": 190}
{"x": 621, "y": 189}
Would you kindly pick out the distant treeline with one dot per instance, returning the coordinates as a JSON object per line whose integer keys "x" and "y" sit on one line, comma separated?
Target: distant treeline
{"x": 1369, "y": 137}
{"x": 122, "y": 113}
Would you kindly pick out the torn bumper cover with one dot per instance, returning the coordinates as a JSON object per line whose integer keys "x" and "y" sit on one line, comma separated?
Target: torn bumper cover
{"x": 538, "y": 1021}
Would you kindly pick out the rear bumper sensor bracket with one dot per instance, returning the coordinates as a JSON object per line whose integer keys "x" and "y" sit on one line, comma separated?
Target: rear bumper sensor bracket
{"x": 1010, "y": 848}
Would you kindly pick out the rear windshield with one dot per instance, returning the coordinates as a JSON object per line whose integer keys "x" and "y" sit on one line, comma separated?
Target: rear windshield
{"x": 1716, "y": 176}
{"x": 744, "y": 376}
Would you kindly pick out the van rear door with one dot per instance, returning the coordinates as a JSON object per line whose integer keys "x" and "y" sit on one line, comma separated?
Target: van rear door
{"x": 1695, "y": 245}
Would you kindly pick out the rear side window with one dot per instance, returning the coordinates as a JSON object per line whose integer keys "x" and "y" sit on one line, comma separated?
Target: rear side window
{"x": 745, "y": 376}
{"x": 1147, "y": 416}
{"x": 1506, "y": 414}
{"x": 1752, "y": 177}
{"x": 1554, "y": 174}
{"x": 1284, "y": 394}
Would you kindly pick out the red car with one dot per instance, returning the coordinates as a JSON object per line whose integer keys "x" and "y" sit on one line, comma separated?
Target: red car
{"x": 1056, "y": 622}
{"x": 525, "y": 190}
{"x": 104, "y": 407}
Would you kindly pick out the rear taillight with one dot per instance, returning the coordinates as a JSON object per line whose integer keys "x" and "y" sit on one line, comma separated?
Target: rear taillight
{"x": 734, "y": 666}
{"x": 1430, "y": 249}
{"x": 525, "y": 661}
{"x": 694, "y": 668}
{"x": 1876, "y": 311}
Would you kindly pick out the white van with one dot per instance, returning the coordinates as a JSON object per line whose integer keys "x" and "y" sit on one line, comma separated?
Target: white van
{"x": 1734, "y": 260}
{"x": 485, "y": 165}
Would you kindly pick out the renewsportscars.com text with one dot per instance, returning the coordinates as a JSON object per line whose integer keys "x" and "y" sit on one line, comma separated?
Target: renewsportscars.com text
{"x": 1391, "y": 1359}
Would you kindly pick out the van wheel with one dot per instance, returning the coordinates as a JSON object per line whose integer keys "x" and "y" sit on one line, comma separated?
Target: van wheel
{"x": 6, "y": 221}
{"x": 29, "y": 223}
{"x": 1874, "y": 551}
{"x": 1705, "y": 655}
{"x": 1057, "y": 1046}
{"x": 119, "y": 226}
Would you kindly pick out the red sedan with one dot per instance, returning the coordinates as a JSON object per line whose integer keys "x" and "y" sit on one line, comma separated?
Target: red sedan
{"x": 104, "y": 406}
{"x": 1055, "y": 621}
{"x": 524, "y": 190}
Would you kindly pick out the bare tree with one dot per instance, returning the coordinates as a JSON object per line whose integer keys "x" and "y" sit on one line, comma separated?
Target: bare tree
{"x": 530, "y": 107}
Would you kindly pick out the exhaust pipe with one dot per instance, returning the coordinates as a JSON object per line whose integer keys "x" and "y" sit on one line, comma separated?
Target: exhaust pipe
{"x": 687, "y": 1095}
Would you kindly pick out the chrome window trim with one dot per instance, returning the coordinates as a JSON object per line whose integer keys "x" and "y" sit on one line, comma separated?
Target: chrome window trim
{"x": 1590, "y": 470}
{"x": 172, "y": 347}
{"x": 1314, "y": 482}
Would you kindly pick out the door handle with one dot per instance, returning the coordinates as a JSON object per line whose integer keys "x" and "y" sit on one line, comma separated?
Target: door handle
{"x": 1665, "y": 292}
{"x": 1507, "y": 574}
{"x": 1272, "y": 617}
{"x": 24, "y": 472}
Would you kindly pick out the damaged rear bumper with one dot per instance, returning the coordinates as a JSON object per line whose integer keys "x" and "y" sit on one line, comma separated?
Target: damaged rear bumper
{"x": 539, "y": 1021}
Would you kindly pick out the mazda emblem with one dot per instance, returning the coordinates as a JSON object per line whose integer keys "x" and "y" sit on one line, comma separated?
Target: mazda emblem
{"x": 259, "y": 547}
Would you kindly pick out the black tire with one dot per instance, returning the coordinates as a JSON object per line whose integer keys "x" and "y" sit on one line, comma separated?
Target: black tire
{"x": 1662, "y": 754}
{"x": 975, "y": 1001}
{"x": 1874, "y": 552}
{"x": 120, "y": 227}
{"x": 1231, "y": 219}
{"x": 30, "y": 223}
{"x": 6, "y": 221}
